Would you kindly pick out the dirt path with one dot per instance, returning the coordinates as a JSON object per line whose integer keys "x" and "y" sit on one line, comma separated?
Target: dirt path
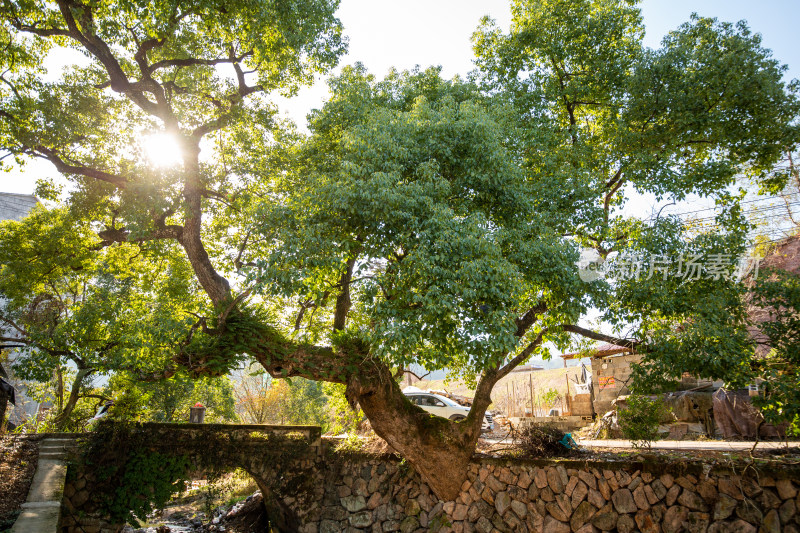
{"x": 18, "y": 457}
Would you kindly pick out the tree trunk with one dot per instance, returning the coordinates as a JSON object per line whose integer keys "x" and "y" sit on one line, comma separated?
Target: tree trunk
{"x": 439, "y": 449}
{"x": 61, "y": 420}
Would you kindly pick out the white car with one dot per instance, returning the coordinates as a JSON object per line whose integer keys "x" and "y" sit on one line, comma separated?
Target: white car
{"x": 445, "y": 407}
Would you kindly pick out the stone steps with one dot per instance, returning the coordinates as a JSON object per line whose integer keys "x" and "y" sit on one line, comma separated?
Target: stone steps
{"x": 56, "y": 447}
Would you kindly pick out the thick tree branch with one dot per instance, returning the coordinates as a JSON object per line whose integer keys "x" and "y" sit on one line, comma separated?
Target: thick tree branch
{"x": 112, "y": 235}
{"x": 528, "y": 319}
{"x": 625, "y": 343}
{"x": 520, "y": 357}
{"x": 102, "y": 52}
{"x": 216, "y": 286}
{"x": 193, "y": 61}
{"x": 62, "y": 166}
{"x": 619, "y": 182}
{"x": 343, "y": 302}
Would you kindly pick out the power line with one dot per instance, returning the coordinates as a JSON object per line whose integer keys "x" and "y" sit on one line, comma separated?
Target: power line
{"x": 740, "y": 203}
{"x": 762, "y": 215}
{"x": 761, "y": 209}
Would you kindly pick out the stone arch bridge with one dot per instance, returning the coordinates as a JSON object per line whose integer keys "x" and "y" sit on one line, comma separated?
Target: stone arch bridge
{"x": 282, "y": 460}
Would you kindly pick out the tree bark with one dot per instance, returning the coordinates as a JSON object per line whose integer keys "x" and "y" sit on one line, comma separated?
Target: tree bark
{"x": 439, "y": 449}
{"x": 62, "y": 418}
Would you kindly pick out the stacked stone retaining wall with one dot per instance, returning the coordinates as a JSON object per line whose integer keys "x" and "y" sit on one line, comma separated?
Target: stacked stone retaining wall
{"x": 382, "y": 494}
{"x": 563, "y": 497}
{"x": 311, "y": 488}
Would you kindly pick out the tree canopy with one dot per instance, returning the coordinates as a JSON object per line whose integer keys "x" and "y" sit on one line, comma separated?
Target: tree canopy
{"x": 422, "y": 219}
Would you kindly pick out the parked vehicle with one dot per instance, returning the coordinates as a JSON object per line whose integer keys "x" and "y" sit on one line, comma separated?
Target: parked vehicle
{"x": 445, "y": 407}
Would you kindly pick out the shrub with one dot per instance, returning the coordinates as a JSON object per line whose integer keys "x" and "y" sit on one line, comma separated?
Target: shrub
{"x": 639, "y": 420}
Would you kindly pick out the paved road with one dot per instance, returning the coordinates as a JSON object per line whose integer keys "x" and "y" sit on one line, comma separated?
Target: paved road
{"x": 715, "y": 445}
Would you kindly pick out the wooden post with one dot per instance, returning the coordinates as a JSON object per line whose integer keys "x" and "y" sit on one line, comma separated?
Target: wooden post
{"x": 514, "y": 392}
{"x": 531, "y": 378}
{"x": 569, "y": 404}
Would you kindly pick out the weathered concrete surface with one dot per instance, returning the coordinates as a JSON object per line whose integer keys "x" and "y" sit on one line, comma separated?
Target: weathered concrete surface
{"x": 41, "y": 511}
{"x": 48, "y": 482}
{"x": 42, "y": 519}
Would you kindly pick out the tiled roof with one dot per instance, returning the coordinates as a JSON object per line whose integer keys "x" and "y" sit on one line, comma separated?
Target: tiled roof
{"x": 16, "y": 206}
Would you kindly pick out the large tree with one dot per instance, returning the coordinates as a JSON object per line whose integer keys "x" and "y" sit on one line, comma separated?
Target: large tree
{"x": 423, "y": 220}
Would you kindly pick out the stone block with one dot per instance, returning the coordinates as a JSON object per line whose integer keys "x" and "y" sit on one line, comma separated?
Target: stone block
{"x": 495, "y": 484}
{"x": 724, "y": 507}
{"x": 554, "y": 481}
{"x": 507, "y": 477}
{"x": 554, "y": 510}
{"x": 362, "y": 519}
{"x": 641, "y": 499}
{"x": 786, "y": 489}
{"x": 502, "y": 502}
{"x": 730, "y": 487}
{"x": 605, "y": 518}
{"x": 787, "y": 511}
{"x": 605, "y": 490}
{"x": 519, "y": 508}
{"x": 582, "y": 515}
{"x": 624, "y": 502}
{"x": 771, "y": 523}
{"x": 625, "y": 524}
{"x": 770, "y": 500}
{"x": 748, "y": 512}
{"x": 595, "y": 498}
{"x": 646, "y": 523}
{"x": 672, "y": 495}
{"x": 691, "y": 500}
{"x": 652, "y": 499}
{"x": 551, "y": 525}
{"x": 540, "y": 478}
{"x": 674, "y": 519}
{"x": 587, "y": 478}
{"x": 571, "y": 485}
{"x": 524, "y": 480}
{"x": 579, "y": 493}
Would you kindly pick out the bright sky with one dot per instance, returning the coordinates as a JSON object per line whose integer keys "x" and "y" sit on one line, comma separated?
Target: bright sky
{"x": 437, "y": 32}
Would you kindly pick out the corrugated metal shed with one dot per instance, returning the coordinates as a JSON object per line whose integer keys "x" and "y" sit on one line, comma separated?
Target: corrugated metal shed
{"x": 16, "y": 206}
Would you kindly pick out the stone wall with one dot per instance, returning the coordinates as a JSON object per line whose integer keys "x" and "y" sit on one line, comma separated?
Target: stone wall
{"x": 378, "y": 494}
{"x": 559, "y": 497}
